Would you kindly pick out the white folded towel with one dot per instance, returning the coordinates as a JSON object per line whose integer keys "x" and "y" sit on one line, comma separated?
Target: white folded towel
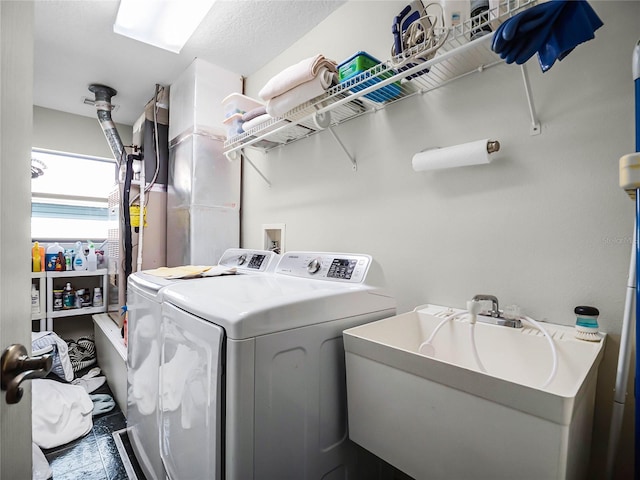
{"x": 278, "y": 106}
{"x": 295, "y": 75}
{"x": 264, "y": 118}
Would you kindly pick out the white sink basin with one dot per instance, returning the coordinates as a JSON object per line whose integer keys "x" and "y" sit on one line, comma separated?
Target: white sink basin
{"x": 441, "y": 417}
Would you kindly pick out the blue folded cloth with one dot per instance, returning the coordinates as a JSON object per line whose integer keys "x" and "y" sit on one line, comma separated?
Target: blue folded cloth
{"x": 102, "y": 403}
{"x": 552, "y": 29}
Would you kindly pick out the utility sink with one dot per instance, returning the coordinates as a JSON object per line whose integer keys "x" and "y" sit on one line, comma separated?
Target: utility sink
{"x": 440, "y": 416}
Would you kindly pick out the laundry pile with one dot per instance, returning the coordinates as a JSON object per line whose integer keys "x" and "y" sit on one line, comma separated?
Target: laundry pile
{"x": 49, "y": 342}
{"x": 298, "y": 84}
{"x": 64, "y": 404}
{"x": 551, "y": 29}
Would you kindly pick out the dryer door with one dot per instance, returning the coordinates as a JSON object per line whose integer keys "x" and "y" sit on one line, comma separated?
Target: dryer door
{"x": 190, "y": 401}
{"x": 143, "y": 361}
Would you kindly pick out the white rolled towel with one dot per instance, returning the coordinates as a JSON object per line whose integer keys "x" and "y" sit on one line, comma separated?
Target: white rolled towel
{"x": 295, "y": 75}
{"x": 278, "y": 106}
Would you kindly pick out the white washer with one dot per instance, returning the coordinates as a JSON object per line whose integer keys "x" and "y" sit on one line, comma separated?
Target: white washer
{"x": 144, "y": 298}
{"x": 252, "y": 377}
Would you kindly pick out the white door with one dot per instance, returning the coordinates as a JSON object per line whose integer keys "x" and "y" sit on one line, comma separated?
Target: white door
{"x": 16, "y": 107}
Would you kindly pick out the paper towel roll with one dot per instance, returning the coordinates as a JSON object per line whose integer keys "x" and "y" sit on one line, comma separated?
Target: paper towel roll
{"x": 472, "y": 153}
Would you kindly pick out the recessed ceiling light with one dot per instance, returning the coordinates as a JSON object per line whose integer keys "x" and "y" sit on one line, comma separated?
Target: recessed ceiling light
{"x": 166, "y": 24}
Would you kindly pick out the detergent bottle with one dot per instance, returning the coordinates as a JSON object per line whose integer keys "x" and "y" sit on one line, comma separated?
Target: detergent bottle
{"x": 79, "y": 261}
{"x": 92, "y": 258}
{"x": 53, "y": 259}
{"x": 35, "y": 257}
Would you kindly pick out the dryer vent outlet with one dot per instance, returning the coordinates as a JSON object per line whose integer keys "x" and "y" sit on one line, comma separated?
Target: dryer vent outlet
{"x": 273, "y": 235}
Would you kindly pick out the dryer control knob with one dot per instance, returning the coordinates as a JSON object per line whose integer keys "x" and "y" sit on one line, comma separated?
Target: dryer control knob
{"x": 242, "y": 259}
{"x": 314, "y": 265}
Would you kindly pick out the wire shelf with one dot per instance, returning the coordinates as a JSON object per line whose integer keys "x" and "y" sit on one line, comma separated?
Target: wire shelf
{"x": 454, "y": 55}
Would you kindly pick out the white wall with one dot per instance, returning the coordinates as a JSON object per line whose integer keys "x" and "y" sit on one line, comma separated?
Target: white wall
{"x": 66, "y": 132}
{"x": 544, "y": 226}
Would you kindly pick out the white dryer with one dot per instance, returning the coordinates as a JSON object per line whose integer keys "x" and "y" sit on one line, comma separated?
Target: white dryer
{"x": 144, "y": 298}
{"x": 252, "y": 376}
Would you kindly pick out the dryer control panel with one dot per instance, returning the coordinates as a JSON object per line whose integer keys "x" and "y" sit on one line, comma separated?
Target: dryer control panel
{"x": 337, "y": 267}
{"x": 245, "y": 260}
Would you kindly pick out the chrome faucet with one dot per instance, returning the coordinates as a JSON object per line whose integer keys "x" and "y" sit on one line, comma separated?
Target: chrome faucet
{"x": 495, "y": 311}
{"x": 496, "y": 314}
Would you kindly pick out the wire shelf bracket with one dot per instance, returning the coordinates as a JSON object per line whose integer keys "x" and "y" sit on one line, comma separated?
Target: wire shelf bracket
{"x": 535, "y": 123}
{"x": 322, "y": 120}
{"x": 244, "y": 155}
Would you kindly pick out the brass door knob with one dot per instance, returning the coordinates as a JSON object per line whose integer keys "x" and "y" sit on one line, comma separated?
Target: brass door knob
{"x": 17, "y": 367}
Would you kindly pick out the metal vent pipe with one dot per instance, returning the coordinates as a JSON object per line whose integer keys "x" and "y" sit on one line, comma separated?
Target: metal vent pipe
{"x": 103, "y": 106}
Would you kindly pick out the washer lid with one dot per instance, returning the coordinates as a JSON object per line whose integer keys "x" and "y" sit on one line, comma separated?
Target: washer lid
{"x": 148, "y": 284}
{"x": 250, "y": 305}
{"x": 245, "y": 261}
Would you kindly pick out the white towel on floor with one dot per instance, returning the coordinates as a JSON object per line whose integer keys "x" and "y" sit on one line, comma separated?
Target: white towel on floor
{"x": 295, "y": 75}
{"x": 90, "y": 384}
{"x": 60, "y": 413}
{"x": 41, "y": 469}
{"x": 278, "y": 106}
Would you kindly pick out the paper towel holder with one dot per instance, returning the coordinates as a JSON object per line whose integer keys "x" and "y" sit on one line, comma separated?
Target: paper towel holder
{"x": 461, "y": 155}
{"x": 492, "y": 147}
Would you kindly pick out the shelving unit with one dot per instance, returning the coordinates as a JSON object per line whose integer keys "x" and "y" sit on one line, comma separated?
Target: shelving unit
{"x": 57, "y": 280}
{"x": 39, "y": 280}
{"x": 454, "y": 56}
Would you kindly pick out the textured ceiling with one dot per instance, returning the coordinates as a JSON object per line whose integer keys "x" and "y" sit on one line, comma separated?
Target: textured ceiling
{"x": 75, "y": 46}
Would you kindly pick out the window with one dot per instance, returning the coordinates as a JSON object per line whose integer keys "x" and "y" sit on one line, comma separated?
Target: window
{"x": 69, "y": 196}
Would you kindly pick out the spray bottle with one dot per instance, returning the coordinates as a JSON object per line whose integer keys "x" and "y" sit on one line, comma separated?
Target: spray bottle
{"x": 92, "y": 258}
{"x": 79, "y": 261}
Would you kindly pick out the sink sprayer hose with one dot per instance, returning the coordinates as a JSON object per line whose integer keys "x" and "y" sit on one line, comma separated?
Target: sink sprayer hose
{"x": 426, "y": 347}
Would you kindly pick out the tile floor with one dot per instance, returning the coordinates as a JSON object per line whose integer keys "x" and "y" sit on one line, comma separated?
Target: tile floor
{"x": 94, "y": 456}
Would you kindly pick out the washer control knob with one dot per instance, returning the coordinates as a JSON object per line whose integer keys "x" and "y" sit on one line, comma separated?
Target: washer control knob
{"x": 314, "y": 265}
{"x": 242, "y": 259}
